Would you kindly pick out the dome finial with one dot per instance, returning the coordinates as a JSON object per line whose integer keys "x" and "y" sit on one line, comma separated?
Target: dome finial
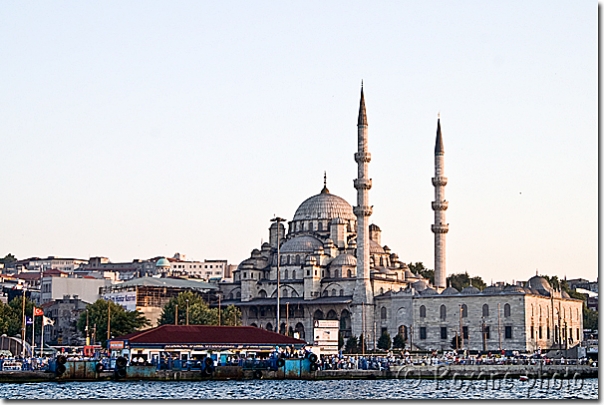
{"x": 325, "y": 189}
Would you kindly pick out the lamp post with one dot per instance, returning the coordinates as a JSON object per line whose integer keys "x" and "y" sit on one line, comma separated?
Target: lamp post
{"x": 278, "y": 220}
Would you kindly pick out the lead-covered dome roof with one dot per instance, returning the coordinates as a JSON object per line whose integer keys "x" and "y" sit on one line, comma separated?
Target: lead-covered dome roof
{"x": 324, "y": 206}
{"x": 301, "y": 244}
{"x": 345, "y": 259}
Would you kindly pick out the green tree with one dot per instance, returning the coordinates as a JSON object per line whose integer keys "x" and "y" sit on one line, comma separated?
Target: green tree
{"x": 352, "y": 345}
{"x": 340, "y": 340}
{"x": 9, "y": 258}
{"x": 384, "y": 342}
{"x": 11, "y": 316}
{"x": 230, "y": 316}
{"x": 398, "y": 342}
{"x": 419, "y": 269}
{"x": 463, "y": 280}
{"x": 456, "y": 342}
{"x": 122, "y": 322}
{"x": 199, "y": 312}
{"x": 590, "y": 318}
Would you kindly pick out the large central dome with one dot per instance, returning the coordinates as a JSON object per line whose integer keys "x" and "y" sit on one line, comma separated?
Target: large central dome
{"x": 324, "y": 206}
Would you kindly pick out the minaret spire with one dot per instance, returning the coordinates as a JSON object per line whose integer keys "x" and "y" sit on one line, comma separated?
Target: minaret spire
{"x": 362, "y": 298}
{"x": 439, "y": 206}
{"x": 325, "y": 189}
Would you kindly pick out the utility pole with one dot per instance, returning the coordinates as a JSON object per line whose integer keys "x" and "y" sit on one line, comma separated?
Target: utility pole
{"x": 219, "y": 320}
{"x": 460, "y": 326}
{"x": 87, "y": 331}
{"x": 176, "y": 314}
{"x": 187, "y": 312}
{"x": 287, "y": 319}
{"x": 278, "y": 220}
{"x": 499, "y": 323}
{"x": 364, "y": 334}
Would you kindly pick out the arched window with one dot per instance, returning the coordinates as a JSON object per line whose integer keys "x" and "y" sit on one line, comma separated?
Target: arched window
{"x": 301, "y": 226}
{"x": 349, "y": 273}
{"x": 262, "y": 294}
{"x": 253, "y": 312}
{"x": 285, "y": 293}
{"x": 238, "y": 295}
{"x": 294, "y": 274}
{"x": 485, "y": 310}
{"x": 422, "y": 311}
{"x": 297, "y": 259}
{"x": 332, "y": 315}
{"x": 288, "y": 257}
{"x": 318, "y": 315}
{"x": 507, "y": 310}
{"x": 341, "y": 293}
{"x": 286, "y": 274}
{"x": 381, "y": 261}
{"x": 384, "y": 313}
{"x": 443, "y": 313}
{"x": 320, "y": 226}
{"x": 464, "y": 311}
{"x": 310, "y": 226}
{"x": 269, "y": 326}
{"x": 333, "y": 292}
{"x": 336, "y": 273}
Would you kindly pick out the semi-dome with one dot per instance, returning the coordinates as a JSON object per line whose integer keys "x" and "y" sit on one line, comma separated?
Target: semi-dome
{"x": 301, "y": 244}
{"x": 564, "y": 294}
{"x": 375, "y": 248}
{"x": 470, "y": 290}
{"x": 345, "y": 259}
{"x": 324, "y": 206}
{"x": 163, "y": 262}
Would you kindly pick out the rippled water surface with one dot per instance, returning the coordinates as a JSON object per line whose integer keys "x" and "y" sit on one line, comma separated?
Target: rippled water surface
{"x": 294, "y": 389}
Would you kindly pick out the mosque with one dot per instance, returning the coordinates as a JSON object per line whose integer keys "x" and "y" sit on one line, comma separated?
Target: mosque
{"x": 331, "y": 265}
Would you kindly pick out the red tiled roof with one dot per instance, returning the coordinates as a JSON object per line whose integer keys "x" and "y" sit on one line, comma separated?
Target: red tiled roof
{"x": 203, "y": 334}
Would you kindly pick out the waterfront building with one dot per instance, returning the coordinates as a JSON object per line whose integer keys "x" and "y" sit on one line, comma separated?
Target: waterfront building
{"x": 64, "y": 313}
{"x": 149, "y": 295}
{"x": 331, "y": 264}
{"x": 182, "y": 342}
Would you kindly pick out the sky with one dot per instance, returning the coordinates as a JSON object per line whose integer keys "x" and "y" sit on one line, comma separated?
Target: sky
{"x": 144, "y": 128}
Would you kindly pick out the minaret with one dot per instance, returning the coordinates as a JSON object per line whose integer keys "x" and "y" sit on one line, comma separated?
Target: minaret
{"x": 439, "y": 206}
{"x": 362, "y": 300}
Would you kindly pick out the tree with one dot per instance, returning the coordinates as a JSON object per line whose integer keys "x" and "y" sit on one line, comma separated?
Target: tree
{"x": 456, "y": 342}
{"x": 419, "y": 269}
{"x": 398, "y": 342}
{"x": 199, "y": 312}
{"x": 352, "y": 345}
{"x": 384, "y": 342}
{"x": 463, "y": 280}
{"x": 230, "y": 316}
{"x": 9, "y": 258}
{"x": 340, "y": 340}
{"x": 122, "y": 322}
{"x": 11, "y": 317}
{"x": 590, "y": 318}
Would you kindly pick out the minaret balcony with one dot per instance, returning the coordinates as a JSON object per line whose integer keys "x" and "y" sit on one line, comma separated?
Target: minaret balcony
{"x": 442, "y": 228}
{"x": 363, "y": 184}
{"x": 439, "y": 181}
{"x": 440, "y": 205}
{"x": 362, "y": 157}
{"x": 362, "y": 211}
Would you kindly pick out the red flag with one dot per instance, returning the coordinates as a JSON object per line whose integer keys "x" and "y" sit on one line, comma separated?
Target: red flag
{"x": 38, "y": 311}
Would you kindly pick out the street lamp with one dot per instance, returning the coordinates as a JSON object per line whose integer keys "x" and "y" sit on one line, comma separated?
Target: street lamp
{"x": 278, "y": 220}
{"x": 187, "y": 312}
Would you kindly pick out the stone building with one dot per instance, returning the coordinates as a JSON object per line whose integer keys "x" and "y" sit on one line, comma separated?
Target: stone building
{"x": 331, "y": 264}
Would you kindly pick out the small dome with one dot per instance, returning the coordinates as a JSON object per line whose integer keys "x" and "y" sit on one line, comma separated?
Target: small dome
{"x": 429, "y": 291}
{"x": 540, "y": 284}
{"x": 324, "y": 206}
{"x": 409, "y": 274}
{"x": 492, "y": 289}
{"x": 420, "y": 285}
{"x": 374, "y": 227}
{"x": 513, "y": 289}
{"x": 345, "y": 259}
{"x": 301, "y": 244}
{"x": 470, "y": 290}
{"x": 163, "y": 262}
{"x": 450, "y": 291}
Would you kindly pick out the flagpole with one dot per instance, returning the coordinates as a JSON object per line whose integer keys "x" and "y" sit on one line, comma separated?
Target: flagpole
{"x": 42, "y": 338}
{"x": 33, "y": 332}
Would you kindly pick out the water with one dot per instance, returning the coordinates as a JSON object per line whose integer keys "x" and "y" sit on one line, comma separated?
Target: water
{"x": 296, "y": 389}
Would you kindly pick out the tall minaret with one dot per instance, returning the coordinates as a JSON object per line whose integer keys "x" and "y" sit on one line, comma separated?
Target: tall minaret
{"x": 439, "y": 205}
{"x": 362, "y": 299}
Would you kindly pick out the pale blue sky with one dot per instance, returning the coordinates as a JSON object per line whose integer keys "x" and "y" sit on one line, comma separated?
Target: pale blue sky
{"x": 143, "y": 128}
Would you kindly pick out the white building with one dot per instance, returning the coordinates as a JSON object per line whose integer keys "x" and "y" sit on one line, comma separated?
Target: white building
{"x": 87, "y": 288}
